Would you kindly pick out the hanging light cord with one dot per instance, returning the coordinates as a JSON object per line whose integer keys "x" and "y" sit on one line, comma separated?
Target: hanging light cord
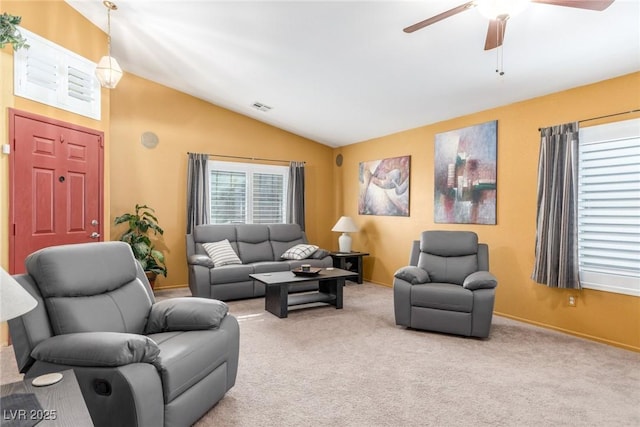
{"x": 109, "y": 29}
{"x": 499, "y": 51}
{"x": 110, "y": 6}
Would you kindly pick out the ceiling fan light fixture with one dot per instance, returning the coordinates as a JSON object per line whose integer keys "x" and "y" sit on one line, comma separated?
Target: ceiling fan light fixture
{"x": 108, "y": 70}
{"x": 501, "y": 9}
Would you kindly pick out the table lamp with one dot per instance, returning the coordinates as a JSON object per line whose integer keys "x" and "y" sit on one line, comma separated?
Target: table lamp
{"x": 14, "y": 299}
{"x": 345, "y": 225}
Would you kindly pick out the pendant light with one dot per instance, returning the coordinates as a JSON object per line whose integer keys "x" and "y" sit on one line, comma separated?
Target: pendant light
{"x": 108, "y": 70}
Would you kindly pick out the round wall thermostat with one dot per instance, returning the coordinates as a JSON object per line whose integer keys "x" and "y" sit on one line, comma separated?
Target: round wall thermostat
{"x": 339, "y": 160}
{"x": 149, "y": 139}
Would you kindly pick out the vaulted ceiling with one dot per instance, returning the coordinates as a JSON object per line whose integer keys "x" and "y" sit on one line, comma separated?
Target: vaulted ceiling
{"x": 341, "y": 72}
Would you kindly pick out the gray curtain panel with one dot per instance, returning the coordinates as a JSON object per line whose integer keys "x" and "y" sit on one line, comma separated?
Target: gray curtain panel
{"x": 295, "y": 194}
{"x": 556, "y": 260}
{"x": 198, "y": 210}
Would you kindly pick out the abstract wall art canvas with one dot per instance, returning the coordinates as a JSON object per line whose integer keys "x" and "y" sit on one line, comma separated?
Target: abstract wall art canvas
{"x": 384, "y": 187}
{"x": 465, "y": 175}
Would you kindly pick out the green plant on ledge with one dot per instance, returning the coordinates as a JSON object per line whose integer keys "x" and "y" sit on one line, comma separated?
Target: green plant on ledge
{"x": 10, "y": 34}
{"x": 141, "y": 224}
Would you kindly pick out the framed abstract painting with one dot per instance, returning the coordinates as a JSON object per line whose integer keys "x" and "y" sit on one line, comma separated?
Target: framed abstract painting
{"x": 384, "y": 187}
{"x": 465, "y": 175}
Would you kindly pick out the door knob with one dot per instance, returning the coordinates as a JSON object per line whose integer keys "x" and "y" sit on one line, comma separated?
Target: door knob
{"x": 94, "y": 222}
{"x": 94, "y": 235}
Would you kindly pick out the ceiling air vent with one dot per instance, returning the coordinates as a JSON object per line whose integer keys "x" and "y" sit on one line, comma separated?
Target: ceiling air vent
{"x": 261, "y": 107}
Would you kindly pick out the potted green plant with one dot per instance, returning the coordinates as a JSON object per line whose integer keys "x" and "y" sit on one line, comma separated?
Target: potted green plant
{"x": 141, "y": 224}
{"x": 9, "y": 33}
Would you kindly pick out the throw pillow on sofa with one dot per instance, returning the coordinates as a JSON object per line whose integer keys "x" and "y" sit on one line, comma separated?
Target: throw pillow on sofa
{"x": 221, "y": 253}
{"x": 300, "y": 251}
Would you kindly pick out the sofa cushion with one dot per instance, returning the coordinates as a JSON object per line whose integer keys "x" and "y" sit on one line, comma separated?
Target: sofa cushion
{"x": 413, "y": 275}
{"x": 203, "y": 260}
{"x": 320, "y": 253}
{"x": 480, "y": 280}
{"x": 187, "y": 357}
{"x": 221, "y": 253}
{"x": 231, "y": 273}
{"x": 442, "y": 296}
{"x": 270, "y": 266}
{"x": 253, "y": 243}
{"x": 284, "y": 236}
{"x": 449, "y": 243}
{"x": 300, "y": 251}
{"x": 82, "y": 270}
{"x": 453, "y": 269}
{"x": 122, "y": 310}
{"x": 185, "y": 314}
{"x": 97, "y": 349}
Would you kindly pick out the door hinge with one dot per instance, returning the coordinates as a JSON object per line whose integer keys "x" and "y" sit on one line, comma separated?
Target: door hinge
{"x": 101, "y": 142}
{"x": 14, "y": 229}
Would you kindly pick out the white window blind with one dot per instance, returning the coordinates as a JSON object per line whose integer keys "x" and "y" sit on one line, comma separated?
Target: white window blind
{"x": 609, "y": 207}
{"x": 268, "y": 198}
{"x": 228, "y": 196}
{"x": 55, "y": 76}
{"x": 247, "y": 193}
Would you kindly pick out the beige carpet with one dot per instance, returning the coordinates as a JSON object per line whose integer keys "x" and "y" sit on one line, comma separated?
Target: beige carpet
{"x": 354, "y": 367}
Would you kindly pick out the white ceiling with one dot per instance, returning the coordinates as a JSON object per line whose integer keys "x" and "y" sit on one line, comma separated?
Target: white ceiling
{"x": 341, "y": 72}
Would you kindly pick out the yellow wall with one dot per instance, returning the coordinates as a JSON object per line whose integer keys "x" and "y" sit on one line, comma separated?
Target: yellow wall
{"x": 78, "y": 35}
{"x": 603, "y": 316}
{"x": 158, "y": 177}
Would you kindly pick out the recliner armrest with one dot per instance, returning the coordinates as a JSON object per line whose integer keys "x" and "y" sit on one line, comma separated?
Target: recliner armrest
{"x": 480, "y": 280}
{"x": 185, "y": 314}
{"x": 97, "y": 349}
{"x": 202, "y": 260}
{"x": 413, "y": 275}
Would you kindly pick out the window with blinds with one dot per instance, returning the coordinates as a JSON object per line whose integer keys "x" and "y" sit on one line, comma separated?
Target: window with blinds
{"x": 247, "y": 193}
{"x": 55, "y": 76}
{"x": 609, "y": 207}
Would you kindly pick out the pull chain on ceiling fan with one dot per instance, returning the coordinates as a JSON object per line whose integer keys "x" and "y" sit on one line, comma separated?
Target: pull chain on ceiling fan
{"x": 499, "y": 11}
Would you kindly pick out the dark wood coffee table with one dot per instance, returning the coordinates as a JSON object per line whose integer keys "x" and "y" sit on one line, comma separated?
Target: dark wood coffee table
{"x": 277, "y": 299}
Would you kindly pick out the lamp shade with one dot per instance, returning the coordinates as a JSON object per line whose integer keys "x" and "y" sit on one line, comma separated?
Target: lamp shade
{"x": 345, "y": 225}
{"x": 108, "y": 72}
{"x": 14, "y": 299}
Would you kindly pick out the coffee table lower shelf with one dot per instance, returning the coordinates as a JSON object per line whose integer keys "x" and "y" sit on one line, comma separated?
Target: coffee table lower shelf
{"x": 277, "y": 299}
{"x": 310, "y": 298}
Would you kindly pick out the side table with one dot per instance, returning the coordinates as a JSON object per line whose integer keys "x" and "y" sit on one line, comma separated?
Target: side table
{"x": 351, "y": 261}
{"x": 62, "y": 403}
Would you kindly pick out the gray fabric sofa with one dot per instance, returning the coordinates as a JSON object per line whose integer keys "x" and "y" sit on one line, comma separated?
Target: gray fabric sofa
{"x": 259, "y": 247}
{"x": 138, "y": 362}
{"x": 447, "y": 286}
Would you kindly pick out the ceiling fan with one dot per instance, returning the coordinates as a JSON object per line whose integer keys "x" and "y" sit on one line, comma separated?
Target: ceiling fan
{"x": 499, "y": 11}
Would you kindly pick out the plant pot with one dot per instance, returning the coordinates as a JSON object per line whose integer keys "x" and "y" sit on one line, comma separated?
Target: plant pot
{"x": 151, "y": 276}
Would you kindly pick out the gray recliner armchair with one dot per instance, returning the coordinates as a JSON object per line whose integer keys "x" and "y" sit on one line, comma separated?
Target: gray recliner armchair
{"x": 138, "y": 362}
{"x": 447, "y": 286}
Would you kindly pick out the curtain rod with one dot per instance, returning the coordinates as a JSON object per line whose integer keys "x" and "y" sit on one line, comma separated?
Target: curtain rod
{"x": 604, "y": 117}
{"x": 246, "y": 158}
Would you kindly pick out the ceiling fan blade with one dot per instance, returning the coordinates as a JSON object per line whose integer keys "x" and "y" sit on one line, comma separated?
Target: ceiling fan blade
{"x": 440, "y": 17}
{"x": 495, "y": 33}
{"x": 599, "y": 5}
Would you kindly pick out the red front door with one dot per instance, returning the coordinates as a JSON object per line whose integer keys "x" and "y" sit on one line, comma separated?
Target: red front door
{"x": 56, "y": 171}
